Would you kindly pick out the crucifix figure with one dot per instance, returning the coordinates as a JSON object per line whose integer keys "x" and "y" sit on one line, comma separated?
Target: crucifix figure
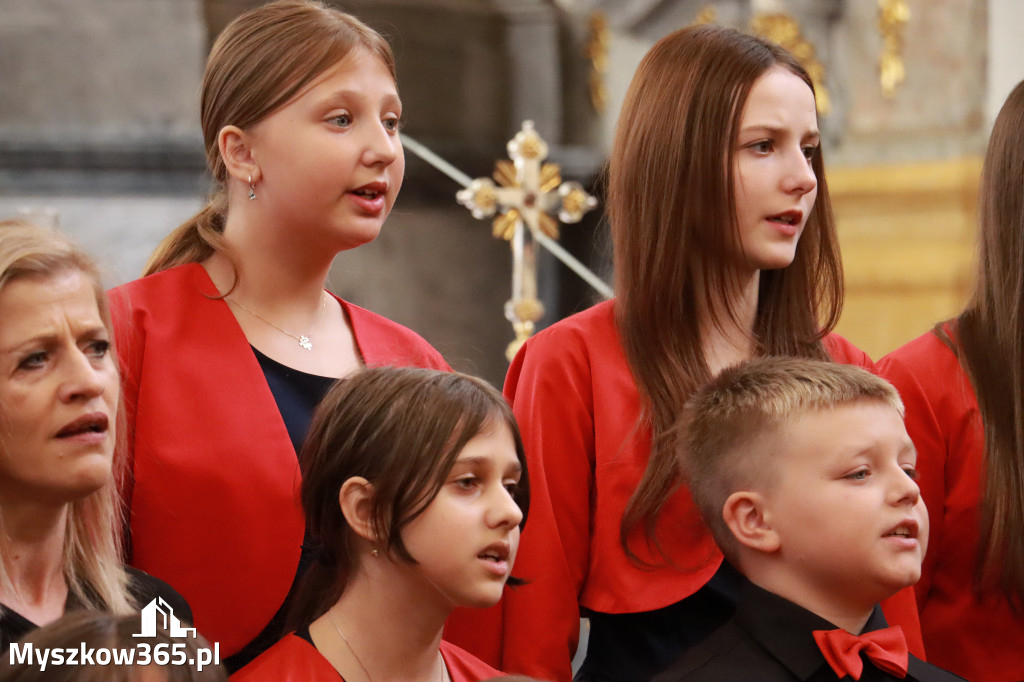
{"x": 526, "y": 193}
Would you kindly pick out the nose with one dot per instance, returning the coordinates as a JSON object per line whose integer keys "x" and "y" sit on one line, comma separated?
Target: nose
{"x": 504, "y": 511}
{"x": 383, "y": 147}
{"x": 799, "y": 178}
{"x": 84, "y": 377}
{"x": 905, "y": 490}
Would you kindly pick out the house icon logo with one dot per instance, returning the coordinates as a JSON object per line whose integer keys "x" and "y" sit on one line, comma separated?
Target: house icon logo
{"x": 159, "y": 609}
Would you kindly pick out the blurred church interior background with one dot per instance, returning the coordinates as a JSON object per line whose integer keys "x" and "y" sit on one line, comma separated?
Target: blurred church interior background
{"x": 99, "y": 134}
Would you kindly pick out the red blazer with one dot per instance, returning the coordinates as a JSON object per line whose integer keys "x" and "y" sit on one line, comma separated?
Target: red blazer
{"x": 978, "y": 640}
{"x": 213, "y": 477}
{"x": 293, "y": 659}
{"x": 577, "y": 406}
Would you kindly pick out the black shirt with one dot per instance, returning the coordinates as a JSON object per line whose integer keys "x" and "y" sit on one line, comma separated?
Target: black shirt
{"x": 142, "y": 586}
{"x": 634, "y": 647}
{"x": 770, "y": 639}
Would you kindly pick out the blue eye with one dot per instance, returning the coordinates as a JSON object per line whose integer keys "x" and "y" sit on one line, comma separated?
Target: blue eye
{"x": 859, "y": 475}
{"x": 342, "y": 120}
{"x": 392, "y": 125}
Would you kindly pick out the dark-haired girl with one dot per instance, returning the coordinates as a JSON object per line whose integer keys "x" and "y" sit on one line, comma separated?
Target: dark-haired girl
{"x": 414, "y": 488}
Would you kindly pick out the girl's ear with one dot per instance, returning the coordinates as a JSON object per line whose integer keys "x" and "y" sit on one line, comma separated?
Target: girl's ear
{"x": 356, "y": 501}
{"x": 235, "y": 147}
{"x": 745, "y": 514}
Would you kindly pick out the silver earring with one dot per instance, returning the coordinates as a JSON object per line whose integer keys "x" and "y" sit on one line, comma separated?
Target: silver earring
{"x": 252, "y": 189}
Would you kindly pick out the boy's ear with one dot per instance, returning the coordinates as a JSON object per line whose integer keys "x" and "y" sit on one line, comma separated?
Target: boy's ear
{"x": 235, "y": 147}
{"x": 744, "y": 513}
{"x": 356, "y": 501}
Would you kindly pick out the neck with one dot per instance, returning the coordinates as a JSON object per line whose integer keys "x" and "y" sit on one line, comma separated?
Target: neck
{"x": 726, "y": 321}
{"x": 272, "y": 287}
{"x": 393, "y": 633}
{"x": 843, "y": 608}
{"x": 275, "y": 267}
{"x": 33, "y": 556}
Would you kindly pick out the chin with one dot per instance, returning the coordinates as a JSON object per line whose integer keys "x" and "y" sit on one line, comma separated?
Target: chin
{"x": 353, "y": 239}
{"x": 776, "y": 261}
{"x": 903, "y": 579}
{"x": 483, "y": 601}
{"x": 89, "y": 482}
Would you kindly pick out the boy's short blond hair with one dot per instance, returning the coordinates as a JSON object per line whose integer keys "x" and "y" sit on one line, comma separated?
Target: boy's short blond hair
{"x": 724, "y": 420}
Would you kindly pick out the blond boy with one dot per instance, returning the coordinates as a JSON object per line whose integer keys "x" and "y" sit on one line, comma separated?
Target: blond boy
{"x": 805, "y": 474}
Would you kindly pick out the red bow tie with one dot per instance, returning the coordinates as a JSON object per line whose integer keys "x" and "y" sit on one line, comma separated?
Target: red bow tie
{"x": 886, "y": 648}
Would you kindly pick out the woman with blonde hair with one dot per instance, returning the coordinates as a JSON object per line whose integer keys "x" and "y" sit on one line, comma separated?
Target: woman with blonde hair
{"x": 59, "y": 399}
{"x": 231, "y": 340}
{"x": 725, "y": 249}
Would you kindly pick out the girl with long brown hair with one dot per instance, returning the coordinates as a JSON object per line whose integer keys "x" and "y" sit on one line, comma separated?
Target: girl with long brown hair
{"x": 963, "y": 386}
{"x": 724, "y": 248}
{"x": 231, "y": 340}
{"x": 414, "y": 487}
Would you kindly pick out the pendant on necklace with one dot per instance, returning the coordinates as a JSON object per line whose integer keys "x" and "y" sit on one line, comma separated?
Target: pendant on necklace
{"x": 305, "y": 342}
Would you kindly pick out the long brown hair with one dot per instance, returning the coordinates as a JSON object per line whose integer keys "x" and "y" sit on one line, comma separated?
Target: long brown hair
{"x": 671, "y": 204}
{"x": 92, "y": 542}
{"x": 401, "y": 429}
{"x": 990, "y": 337}
{"x": 258, "y": 63}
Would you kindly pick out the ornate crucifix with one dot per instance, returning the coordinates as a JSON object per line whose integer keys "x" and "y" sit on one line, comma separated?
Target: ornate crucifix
{"x": 527, "y": 192}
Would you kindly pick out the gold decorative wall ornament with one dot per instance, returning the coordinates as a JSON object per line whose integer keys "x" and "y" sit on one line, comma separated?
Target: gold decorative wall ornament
{"x": 526, "y": 193}
{"x": 893, "y": 16}
{"x": 597, "y": 52}
{"x": 706, "y": 15}
{"x": 785, "y": 30}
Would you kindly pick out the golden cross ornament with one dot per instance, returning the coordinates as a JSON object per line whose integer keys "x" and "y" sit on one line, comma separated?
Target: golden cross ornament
{"x": 524, "y": 193}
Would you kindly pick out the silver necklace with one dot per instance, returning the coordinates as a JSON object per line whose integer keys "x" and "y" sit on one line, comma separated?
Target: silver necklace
{"x": 303, "y": 339}
{"x": 330, "y": 617}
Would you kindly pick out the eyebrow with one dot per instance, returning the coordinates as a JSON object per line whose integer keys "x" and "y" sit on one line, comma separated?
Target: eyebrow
{"x": 486, "y": 461}
{"x": 777, "y": 131}
{"x": 48, "y": 339}
{"x": 339, "y": 96}
{"x": 906, "y": 448}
